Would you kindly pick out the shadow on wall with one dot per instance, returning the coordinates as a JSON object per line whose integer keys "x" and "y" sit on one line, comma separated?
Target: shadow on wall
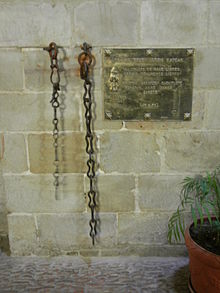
{"x": 95, "y": 182}
{"x": 4, "y": 242}
{"x": 71, "y": 147}
{"x": 44, "y": 144}
{"x": 62, "y": 107}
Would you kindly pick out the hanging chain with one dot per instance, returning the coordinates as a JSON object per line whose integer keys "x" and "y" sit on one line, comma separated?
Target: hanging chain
{"x": 85, "y": 60}
{"x": 55, "y": 80}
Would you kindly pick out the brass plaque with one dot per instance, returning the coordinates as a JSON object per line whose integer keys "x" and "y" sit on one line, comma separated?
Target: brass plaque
{"x": 147, "y": 84}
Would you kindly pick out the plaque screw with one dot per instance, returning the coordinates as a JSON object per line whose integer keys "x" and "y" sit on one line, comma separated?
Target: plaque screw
{"x": 149, "y": 52}
{"x": 108, "y": 114}
{"x": 190, "y": 52}
{"x": 147, "y": 116}
{"x": 173, "y": 112}
{"x": 107, "y": 52}
{"x": 187, "y": 116}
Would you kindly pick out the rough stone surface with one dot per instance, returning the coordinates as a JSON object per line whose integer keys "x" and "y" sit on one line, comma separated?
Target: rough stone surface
{"x": 191, "y": 151}
{"x": 37, "y": 69}
{"x": 174, "y": 22}
{"x": 35, "y": 23}
{"x": 14, "y": 155}
{"x": 4, "y": 246}
{"x": 139, "y": 228}
{"x": 212, "y": 106}
{"x": 159, "y": 192}
{"x": 11, "y": 67}
{"x": 127, "y": 151}
{"x": 36, "y": 193}
{"x": 207, "y": 71}
{"x": 38, "y": 112}
{"x": 71, "y": 153}
{"x": 214, "y": 17}
{"x": 4, "y": 243}
{"x": 3, "y": 220}
{"x": 95, "y": 275}
{"x": 22, "y": 234}
{"x": 112, "y": 23}
{"x": 115, "y": 193}
{"x": 145, "y": 250}
{"x": 3, "y": 210}
{"x": 66, "y": 232}
{"x": 139, "y": 164}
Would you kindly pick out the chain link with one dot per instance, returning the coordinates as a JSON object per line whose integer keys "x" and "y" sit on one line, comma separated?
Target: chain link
{"x": 55, "y": 80}
{"x": 85, "y": 60}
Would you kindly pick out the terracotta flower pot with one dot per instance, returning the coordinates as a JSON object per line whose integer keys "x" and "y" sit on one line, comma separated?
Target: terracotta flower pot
{"x": 204, "y": 267}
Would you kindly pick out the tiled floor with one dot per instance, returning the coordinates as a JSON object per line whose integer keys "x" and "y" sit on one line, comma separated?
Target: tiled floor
{"x": 93, "y": 275}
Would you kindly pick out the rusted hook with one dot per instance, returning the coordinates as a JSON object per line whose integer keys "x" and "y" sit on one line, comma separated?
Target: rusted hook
{"x": 85, "y": 60}
{"x": 52, "y": 49}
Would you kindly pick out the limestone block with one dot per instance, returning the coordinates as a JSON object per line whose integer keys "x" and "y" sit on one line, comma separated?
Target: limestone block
{"x": 3, "y": 210}
{"x": 159, "y": 192}
{"x": 192, "y": 151}
{"x": 3, "y": 222}
{"x": 33, "y": 112}
{"x": 109, "y": 23}
{"x": 127, "y": 151}
{"x": 214, "y": 22}
{"x": 115, "y": 193}
{"x": 71, "y": 153}
{"x": 145, "y": 250}
{"x": 36, "y": 194}
{"x": 4, "y": 243}
{"x": 212, "y": 110}
{"x": 142, "y": 228}
{"x": 37, "y": 69}
{"x": 22, "y": 234}
{"x": 31, "y": 23}
{"x": 89, "y": 253}
{"x": 11, "y": 68}
{"x": 14, "y": 155}
{"x": 207, "y": 71}
{"x": 68, "y": 231}
{"x": 181, "y": 23}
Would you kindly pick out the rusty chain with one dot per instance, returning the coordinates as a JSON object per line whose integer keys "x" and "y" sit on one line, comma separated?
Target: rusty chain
{"x": 85, "y": 60}
{"x": 55, "y": 80}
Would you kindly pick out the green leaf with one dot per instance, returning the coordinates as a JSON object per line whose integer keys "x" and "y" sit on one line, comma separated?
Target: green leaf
{"x": 181, "y": 226}
{"x": 199, "y": 211}
{"x": 204, "y": 187}
{"x": 169, "y": 235}
{"x": 213, "y": 209}
{"x": 194, "y": 216}
{"x": 177, "y": 231}
{"x": 207, "y": 213}
{"x": 174, "y": 232}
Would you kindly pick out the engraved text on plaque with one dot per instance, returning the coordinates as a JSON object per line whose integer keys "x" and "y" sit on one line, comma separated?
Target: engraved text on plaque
{"x": 147, "y": 84}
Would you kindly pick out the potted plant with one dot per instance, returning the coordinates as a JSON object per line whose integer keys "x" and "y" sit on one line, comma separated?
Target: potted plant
{"x": 201, "y": 196}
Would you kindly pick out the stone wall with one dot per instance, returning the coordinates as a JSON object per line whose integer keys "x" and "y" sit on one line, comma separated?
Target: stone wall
{"x": 141, "y": 164}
